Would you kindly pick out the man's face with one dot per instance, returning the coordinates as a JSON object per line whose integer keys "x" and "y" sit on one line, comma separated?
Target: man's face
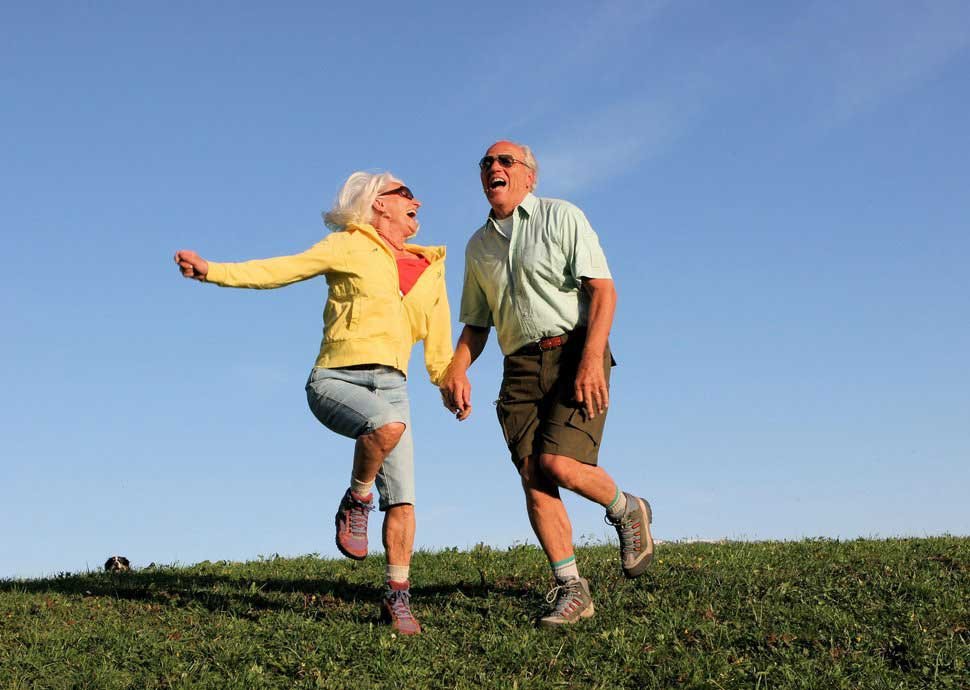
{"x": 506, "y": 187}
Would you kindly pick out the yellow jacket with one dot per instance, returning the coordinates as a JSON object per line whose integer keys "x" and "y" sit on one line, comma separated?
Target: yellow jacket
{"x": 365, "y": 320}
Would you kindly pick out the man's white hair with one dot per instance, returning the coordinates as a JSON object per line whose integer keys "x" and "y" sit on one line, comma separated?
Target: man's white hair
{"x": 529, "y": 159}
{"x": 355, "y": 199}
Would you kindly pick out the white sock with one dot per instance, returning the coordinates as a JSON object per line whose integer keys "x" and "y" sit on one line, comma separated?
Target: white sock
{"x": 360, "y": 488}
{"x": 566, "y": 569}
{"x": 397, "y": 573}
{"x": 616, "y": 509}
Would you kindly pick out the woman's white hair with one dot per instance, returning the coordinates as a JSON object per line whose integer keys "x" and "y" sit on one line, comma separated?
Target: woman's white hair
{"x": 355, "y": 199}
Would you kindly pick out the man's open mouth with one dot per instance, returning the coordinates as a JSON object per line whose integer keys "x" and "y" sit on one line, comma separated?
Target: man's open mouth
{"x": 496, "y": 183}
{"x": 412, "y": 214}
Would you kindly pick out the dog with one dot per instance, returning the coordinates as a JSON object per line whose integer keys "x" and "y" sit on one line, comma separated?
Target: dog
{"x": 117, "y": 564}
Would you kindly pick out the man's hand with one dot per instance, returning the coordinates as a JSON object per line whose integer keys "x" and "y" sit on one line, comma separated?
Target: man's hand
{"x": 591, "y": 390}
{"x": 191, "y": 264}
{"x": 456, "y": 392}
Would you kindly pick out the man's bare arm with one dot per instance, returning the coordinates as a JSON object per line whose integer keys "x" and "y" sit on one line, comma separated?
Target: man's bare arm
{"x": 591, "y": 389}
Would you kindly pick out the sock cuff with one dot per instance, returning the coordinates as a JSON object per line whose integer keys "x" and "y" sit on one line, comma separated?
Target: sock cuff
{"x": 361, "y": 489}
{"x": 615, "y": 499}
{"x": 397, "y": 573}
{"x": 563, "y": 562}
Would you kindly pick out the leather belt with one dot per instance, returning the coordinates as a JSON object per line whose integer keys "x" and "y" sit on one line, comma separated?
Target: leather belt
{"x": 550, "y": 343}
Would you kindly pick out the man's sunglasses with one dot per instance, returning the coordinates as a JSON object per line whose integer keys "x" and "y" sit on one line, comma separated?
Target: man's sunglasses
{"x": 400, "y": 191}
{"x": 504, "y": 159}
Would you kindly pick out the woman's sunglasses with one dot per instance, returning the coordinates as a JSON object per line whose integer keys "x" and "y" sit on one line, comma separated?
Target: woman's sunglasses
{"x": 400, "y": 191}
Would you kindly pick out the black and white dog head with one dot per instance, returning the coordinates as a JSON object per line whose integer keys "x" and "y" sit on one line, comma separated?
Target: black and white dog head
{"x": 117, "y": 564}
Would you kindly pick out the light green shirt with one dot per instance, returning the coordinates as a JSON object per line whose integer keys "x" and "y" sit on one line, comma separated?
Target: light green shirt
{"x": 527, "y": 283}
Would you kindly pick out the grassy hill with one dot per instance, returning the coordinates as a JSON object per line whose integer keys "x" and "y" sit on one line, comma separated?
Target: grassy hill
{"x": 811, "y": 614}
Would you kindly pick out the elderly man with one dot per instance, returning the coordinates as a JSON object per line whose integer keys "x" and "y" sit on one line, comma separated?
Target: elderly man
{"x": 536, "y": 272}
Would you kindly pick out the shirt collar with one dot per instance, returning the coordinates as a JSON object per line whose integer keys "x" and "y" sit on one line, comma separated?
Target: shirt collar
{"x": 528, "y": 204}
{"x": 527, "y": 207}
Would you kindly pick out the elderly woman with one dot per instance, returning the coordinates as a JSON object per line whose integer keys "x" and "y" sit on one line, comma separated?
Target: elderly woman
{"x": 384, "y": 295}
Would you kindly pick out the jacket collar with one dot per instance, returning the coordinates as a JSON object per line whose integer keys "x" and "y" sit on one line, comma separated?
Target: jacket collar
{"x": 432, "y": 254}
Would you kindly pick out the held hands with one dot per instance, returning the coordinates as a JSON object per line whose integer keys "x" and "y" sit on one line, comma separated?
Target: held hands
{"x": 591, "y": 390}
{"x": 191, "y": 264}
{"x": 456, "y": 394}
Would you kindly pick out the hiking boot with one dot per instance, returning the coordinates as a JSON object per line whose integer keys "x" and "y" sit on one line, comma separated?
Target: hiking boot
{"x": 573, "y": 602}
{"x": 633, "y": 529}
{"x": 396, "y": 609}
{"x": 351, "y": 521}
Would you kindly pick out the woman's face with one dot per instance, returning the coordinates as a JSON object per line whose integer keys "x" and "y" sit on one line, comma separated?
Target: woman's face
{"x": 401, "y": 207}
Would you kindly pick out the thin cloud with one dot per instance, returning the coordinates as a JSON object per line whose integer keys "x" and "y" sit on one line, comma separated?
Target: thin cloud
{"x": 555, "y": 58}
{"x": 836, "y": 62}
{"x": 610, "y": 143}
{"x": 831, "y": 63}
{"x": 891, "y": 50}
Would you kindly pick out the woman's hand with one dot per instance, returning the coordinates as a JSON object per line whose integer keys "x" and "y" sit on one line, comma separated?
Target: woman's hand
{"x": 456, "y": 389}
{"x": 191, "y": 264}
{"x": 456, "y": 392}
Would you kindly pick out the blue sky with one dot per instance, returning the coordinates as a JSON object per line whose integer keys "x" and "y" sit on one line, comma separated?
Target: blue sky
{"x": 781, "y": 191}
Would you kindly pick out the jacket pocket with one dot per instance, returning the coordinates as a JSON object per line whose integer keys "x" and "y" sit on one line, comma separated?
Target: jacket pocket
{"x": 340, "y": 319}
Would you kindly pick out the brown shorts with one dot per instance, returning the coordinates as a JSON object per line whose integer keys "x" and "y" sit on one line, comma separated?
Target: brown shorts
{"x": 537, "y": 408}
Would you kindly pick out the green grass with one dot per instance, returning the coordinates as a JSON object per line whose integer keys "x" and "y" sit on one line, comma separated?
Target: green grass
{"x": 811, "y": 614}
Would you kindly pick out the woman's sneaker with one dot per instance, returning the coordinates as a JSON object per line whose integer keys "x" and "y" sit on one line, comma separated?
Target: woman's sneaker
{"x": 633, "y": 529}
{"x": 396, "y": 609}
{"x": 351, "y": 521}
{"x": 572, "y": 603}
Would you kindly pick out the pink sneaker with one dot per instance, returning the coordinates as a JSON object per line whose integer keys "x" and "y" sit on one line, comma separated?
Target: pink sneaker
{"x": 351, "y": 521}
{"x": 396, "y": 608}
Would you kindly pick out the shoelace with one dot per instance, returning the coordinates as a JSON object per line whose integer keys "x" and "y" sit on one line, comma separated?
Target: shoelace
{"x": 629, "y": 533}
{"x": 400, "y": 604}
{"x": 566, "y": 592}
{"x": 358, "y": 516}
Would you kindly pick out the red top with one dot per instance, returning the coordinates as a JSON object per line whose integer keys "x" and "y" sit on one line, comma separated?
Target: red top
{"x": 409, "y": 270}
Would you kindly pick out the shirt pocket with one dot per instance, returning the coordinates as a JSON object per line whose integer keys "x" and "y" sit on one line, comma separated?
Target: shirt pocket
{"x": 546, "y": 264}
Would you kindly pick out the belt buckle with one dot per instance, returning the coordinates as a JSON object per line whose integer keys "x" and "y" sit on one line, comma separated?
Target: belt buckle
{"x": 551, "y": 343}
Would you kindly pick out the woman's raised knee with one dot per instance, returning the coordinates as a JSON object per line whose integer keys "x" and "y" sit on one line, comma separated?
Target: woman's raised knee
{"x": 389, "y": 434}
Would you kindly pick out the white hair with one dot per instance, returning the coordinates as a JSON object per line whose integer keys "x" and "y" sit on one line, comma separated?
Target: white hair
{"x": 355, "y": 199}
{"x": 530, "y": 160}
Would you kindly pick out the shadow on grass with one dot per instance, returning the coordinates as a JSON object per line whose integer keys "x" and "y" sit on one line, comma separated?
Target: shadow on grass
{"x": 253, "y": 597}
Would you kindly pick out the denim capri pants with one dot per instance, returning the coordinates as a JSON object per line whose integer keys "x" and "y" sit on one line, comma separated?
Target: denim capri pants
{"x": 356, "y": 401}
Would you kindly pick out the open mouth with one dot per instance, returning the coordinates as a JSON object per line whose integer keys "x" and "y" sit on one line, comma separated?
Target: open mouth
{"x": 412, "y": 213}
{"x": 497, "y": 182}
